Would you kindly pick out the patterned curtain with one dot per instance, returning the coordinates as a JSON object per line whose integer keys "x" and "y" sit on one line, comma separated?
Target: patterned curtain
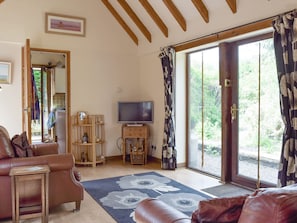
{"x": 285, "y": 44}
{"x": 167, "y": 57}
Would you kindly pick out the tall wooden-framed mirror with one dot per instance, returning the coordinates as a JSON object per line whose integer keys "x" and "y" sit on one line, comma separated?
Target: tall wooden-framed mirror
{"x": 46, "y": 96}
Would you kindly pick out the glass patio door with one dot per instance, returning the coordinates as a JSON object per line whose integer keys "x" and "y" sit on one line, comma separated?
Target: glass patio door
{"x": 204, "y": 112}
{"x": 256, "y": 115}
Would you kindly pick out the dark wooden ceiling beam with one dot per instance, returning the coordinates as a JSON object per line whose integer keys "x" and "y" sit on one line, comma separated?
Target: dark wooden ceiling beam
{"x": 176, "y": 13}
{"x": 202, "y": 9}
{"x": 120, "y": 21}
{"x": 135, "y": 19}
{"x": 232, "y": 5}
{"x": 150, "y": 10}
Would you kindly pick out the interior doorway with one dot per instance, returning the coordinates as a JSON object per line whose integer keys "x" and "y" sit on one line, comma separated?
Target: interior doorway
{"x": 50, "y": 79}
{"x": 46, "y": 96}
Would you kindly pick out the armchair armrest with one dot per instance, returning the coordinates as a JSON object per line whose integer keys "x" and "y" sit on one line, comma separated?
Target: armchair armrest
{"x": 154, "y": 210}
{"x": 42, "y": 149}
{"x": 56, "y": 162}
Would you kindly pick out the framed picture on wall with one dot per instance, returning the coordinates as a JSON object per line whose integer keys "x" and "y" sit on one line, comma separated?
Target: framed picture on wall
{"x": 64, "y": 24}
{"x": 5, "y": 72}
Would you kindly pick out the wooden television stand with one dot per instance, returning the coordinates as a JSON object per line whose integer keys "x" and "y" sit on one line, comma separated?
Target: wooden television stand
{"x": 135, "y": 131}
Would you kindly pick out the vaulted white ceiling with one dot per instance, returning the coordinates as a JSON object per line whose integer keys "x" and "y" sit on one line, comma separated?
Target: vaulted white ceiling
{"x": 150, "y": 24}
{"x": 146, "y": 18}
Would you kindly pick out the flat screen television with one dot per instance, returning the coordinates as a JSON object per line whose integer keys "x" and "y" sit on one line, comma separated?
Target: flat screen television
{"x": 135, "y": 112}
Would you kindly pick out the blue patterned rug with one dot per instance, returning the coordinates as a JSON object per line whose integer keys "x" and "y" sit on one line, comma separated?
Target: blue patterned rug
{"x": 120, "y": 195}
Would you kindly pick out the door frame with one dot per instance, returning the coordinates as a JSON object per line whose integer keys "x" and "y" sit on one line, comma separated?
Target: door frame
{"x": 235, "y": 177}
{"x": 27, "y": 95}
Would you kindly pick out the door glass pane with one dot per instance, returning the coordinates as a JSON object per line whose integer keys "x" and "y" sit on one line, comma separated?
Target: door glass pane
{"x": 36, "y": 120}
{"x": 259, "y": 120}
{"x": 46, "y": 104}
{"x": 39, "y": 125}
{"x": 204, "y": 118}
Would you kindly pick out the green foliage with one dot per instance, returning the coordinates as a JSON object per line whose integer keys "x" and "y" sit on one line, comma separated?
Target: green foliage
{"x": 250, "y": 93}
{"x": 37, "y": 77}
{"x": 205, "y": 96}
{"x": 205, "y": 93}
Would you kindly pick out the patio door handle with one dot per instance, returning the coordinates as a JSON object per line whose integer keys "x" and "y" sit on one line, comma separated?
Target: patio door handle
{"x": 233, "y": 111}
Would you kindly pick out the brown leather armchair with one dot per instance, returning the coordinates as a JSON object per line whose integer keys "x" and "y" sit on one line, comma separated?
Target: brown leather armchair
{"x": 273, "y": 205}
{"x": 64, "y": 185}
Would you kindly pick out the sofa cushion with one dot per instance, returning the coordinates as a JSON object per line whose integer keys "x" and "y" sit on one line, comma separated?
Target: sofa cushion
{"x": 273, "y": 205}
{"x": 219, "y": 210}
{"x": 6, "y": 149}
{"x": 21, "y": 145}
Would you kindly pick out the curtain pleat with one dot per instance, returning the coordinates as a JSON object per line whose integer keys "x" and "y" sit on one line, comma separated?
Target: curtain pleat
{"x": 167, "y": 57}
{"x": 285, "y": 44}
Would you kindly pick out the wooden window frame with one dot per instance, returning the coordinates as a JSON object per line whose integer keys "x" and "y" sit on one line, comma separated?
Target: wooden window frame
{"x": 224, "y": 35}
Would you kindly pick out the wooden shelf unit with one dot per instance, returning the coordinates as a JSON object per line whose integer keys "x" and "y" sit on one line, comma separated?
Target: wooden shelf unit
{"x": 91, "y": 152}
{"x": 135, "y": 132}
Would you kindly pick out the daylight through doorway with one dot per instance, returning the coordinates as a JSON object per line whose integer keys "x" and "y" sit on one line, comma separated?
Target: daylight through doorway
{"x": 204, "y": 112}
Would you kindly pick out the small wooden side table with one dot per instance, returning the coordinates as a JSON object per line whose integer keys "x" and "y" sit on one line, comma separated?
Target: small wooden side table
{"x": 29, "y": 173}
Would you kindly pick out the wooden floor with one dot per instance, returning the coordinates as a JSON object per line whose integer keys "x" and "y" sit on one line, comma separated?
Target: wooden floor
{"x": 91, "y": 212}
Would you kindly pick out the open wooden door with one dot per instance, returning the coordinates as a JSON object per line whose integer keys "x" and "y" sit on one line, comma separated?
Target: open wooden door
{"x": 26, "y": 89}
{"x": 30, "y": 113}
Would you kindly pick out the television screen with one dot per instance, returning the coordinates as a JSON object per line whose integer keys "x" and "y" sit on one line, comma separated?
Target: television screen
{"x": 135, "y": 112}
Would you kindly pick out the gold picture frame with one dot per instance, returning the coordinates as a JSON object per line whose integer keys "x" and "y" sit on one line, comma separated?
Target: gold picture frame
{"x": 64, "y": 24}
{"x": 5, "y": 72}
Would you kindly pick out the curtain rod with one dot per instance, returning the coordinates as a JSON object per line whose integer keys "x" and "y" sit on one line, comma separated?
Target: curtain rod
{"x": 227, "y": 30}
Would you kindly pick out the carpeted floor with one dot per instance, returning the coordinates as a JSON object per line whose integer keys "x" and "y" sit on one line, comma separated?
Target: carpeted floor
{"x": 120, "y": 195}
{"x": 227, "y": 190}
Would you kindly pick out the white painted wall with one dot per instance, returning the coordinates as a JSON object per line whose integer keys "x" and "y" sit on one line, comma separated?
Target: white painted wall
{"x": 106, "y": 65}
{"x": 10, "y": 96}
{"x": 221, "y": 18}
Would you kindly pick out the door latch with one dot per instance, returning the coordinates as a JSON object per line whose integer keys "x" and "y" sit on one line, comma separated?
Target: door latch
{"x": 28, "y": 109}
{"x": 228, "y": 83}
{"x": 233, "y": 112}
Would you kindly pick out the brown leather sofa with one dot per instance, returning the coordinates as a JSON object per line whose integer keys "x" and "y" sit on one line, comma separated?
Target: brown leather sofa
{"x": 64, "y": 185}
{"x": 273, "y": 205}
